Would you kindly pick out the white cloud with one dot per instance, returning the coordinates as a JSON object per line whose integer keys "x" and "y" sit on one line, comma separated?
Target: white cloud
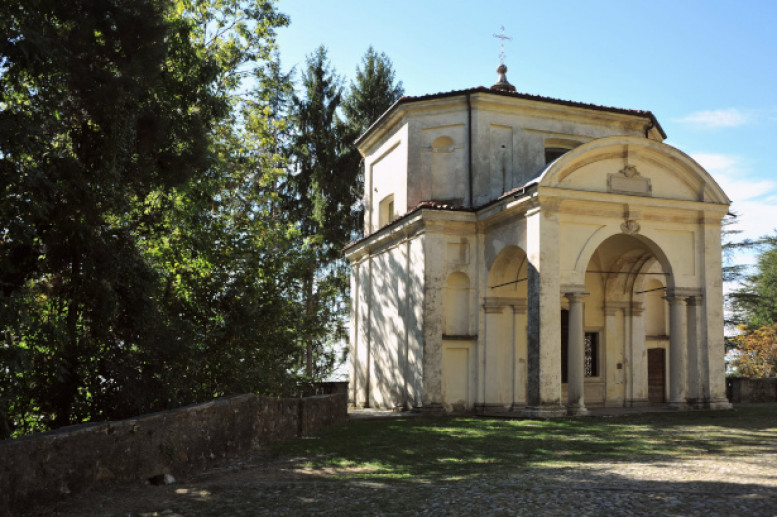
{"x": 734, "y": 177}
{"x": 731, "y": 117}
{"x": 753, "y": 198}
{"x": 715, "y": 162}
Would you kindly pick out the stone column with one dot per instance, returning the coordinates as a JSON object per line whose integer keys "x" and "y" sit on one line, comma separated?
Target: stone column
{"x": 638, "y": 357}
{"x": 576, "y": 355}
{"x": 678, "y": 336}
{"x": 492, "y": 364}
{"x": 519, "y": 348}
{"x": 614, "y": 332}
{"x": 693, "y": 395}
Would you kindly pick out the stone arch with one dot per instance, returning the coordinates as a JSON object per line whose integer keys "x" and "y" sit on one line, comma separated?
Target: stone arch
{"x": 646, "y": 245}
{"x": 636, "y": 151}
{"x": 507, "y": 275}
{"x": 655, "y": 307}
{"x": 456, "y": 304}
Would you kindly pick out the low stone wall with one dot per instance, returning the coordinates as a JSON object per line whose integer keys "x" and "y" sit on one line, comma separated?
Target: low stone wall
{"x": 44, "y": 468}
{"x": 740, "y": 389}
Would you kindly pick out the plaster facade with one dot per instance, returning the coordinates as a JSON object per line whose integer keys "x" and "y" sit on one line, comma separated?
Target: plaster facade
{"x": 535, "y": 255}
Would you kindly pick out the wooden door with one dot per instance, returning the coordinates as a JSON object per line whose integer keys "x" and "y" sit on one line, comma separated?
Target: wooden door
{"x": 656, "y": 375}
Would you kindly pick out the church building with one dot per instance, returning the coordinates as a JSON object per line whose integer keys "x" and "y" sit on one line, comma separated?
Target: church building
{"x": 533, "y": 255}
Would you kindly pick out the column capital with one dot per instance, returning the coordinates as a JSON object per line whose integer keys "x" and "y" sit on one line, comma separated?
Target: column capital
{"x": 683, "y": 292}
{"x": 674, "y": 299}
{"x": 636, "y": 309}
{"x": 493, "y": 309}
{"x": 694, "y": 300}
{"x": 575, "y": 297}
{"x": 611, "y": 308}
{"x": 520, "y": 306}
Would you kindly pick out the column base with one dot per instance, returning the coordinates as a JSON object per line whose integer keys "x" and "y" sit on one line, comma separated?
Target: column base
{"x": 544, "y": 412}
{"x": 517, "y": 407}
{"x": 577, "y": 410}
{"x": 719, "y": 404}
{"x": 678, "y": 406}
{"x": 490, "y": 407}
{"x": 432, "y": 409}
{"x": 636, "y": 403}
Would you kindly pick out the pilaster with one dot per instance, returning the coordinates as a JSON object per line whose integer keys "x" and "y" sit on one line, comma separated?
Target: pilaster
{"x": 678, "y": 336}
{"x": 544, "y": 314}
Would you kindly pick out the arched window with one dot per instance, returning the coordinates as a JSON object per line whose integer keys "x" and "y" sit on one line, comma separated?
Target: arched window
{"x": 442, "y": 144}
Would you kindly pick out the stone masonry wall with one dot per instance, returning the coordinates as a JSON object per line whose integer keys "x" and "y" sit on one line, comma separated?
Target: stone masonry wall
{"x": 44, "y": 468}
{"x": 741, "y": 389}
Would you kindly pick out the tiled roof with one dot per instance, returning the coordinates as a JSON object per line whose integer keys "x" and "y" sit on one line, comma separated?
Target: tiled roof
{"x": 518, "y": 95}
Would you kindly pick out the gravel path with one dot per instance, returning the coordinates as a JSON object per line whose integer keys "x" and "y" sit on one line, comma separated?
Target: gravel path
{"x": 709, "y": 486}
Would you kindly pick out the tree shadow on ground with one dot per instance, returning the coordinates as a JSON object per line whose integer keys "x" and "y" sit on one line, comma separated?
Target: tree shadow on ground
{"x": 649, "y": 464}
{"x": 437, "y": 448}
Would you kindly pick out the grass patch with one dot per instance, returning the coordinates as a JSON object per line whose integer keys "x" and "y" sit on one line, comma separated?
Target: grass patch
{"x": 434, "y": 449}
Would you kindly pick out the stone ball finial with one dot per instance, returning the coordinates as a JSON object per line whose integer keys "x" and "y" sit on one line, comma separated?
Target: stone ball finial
{"x": 502, "y": 83}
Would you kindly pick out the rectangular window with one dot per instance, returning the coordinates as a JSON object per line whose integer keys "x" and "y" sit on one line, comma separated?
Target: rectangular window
{"x": 564, "y": 339}
{"x": 591, "y": 362}
{"x": 591, "y": 344}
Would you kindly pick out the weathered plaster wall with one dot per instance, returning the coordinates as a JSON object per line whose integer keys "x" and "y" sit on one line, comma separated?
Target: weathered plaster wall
{"x": 43, "y": 469}
{"x": 386, "y": 174}
{"x": 387, "y": 327}
{"x": 742, "y": 390}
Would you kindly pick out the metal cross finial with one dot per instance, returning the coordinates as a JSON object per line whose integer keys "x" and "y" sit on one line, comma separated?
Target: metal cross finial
{"x": 502, "y": 37}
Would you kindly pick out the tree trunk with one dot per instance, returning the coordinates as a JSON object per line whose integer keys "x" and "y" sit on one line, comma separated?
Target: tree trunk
{"x": 66, "y": 394}
{"x": 309, "y": 315}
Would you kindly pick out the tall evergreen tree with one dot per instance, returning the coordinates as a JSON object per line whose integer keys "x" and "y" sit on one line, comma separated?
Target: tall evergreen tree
{"x": 755, "y": 302}
{"x": 317, "y": 198}
{"x": 373, "y": 92}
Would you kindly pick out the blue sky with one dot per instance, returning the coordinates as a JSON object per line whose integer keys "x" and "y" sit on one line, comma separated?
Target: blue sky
{"x": 706, "y": 69}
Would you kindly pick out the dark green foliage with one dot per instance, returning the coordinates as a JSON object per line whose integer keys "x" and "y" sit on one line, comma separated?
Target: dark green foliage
{"x": 167, "y": 233}
{"x": 324, "y": 191}
{"x": 103, "y": 103}
{"x": 317, "y": 199}
{"x": 138, "y": 252}
{"x": 755, "y": 302}
{"x": 373, "y": 92}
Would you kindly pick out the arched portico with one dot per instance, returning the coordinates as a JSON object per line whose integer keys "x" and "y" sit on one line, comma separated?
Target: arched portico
{"x": 606, "y": 309}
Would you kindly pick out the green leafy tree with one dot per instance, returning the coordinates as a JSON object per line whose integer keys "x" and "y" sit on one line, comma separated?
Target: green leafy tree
{"x": 756, "y": 352}
{"x": 103, "y": 103}
{"x": 132, "y": 210}
{"x": 755, "y": 302}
